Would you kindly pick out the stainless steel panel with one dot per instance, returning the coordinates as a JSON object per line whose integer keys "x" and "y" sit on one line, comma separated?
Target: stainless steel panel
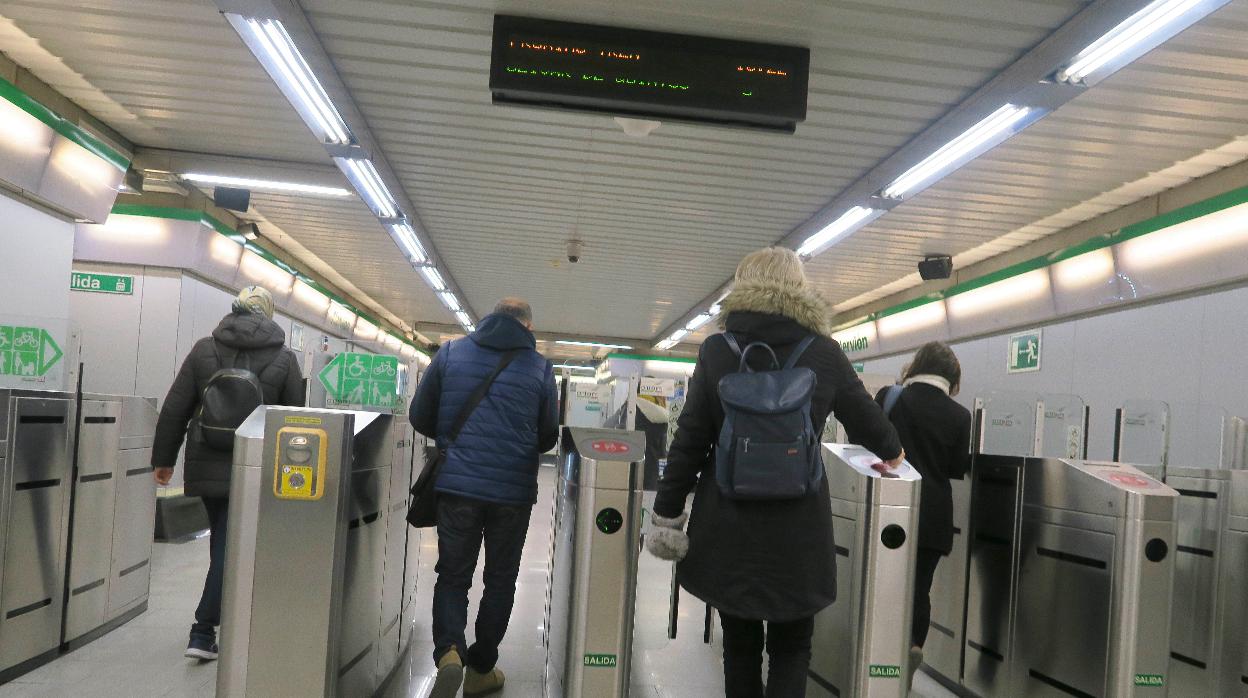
{"x": 1196, "y": 625}
{"x": 362, "y": 582}
{"x": 1233, "y": 673}
{"x": 1065, "y": 596}
{"x": 132, "y": 532}
{"x": 95, "y": 494}
{"x": 996, "y": 501}
{"x": 943, "y": 652}
{"x": 35, "y": 512}
{"x": 1143, "y": 432}
{"x": 831, "y": 666}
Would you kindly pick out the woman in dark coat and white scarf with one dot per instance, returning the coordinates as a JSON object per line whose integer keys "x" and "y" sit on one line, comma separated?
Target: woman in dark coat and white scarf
{"x": 757, "y": 561}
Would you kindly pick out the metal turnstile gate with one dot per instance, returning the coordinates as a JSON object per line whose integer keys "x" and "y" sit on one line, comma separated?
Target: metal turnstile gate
{"x": 1070, "y": 575}
{"x": 862, "y": 642}
{"x": 1233, "y": 673}
{"x": 593, "y": 563}
{"x": 313, "y": 586}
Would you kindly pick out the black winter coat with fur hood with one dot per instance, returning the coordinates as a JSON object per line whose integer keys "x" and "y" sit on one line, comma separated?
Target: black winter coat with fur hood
{"x": 770, "y": 560}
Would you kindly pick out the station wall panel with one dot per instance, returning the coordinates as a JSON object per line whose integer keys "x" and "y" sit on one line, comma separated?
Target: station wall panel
{"x": 37, "y": 250}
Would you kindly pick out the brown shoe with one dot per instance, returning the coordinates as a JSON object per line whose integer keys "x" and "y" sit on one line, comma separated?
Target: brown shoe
{"x": 477, "y": 684}
{"x": 450, "y": 675}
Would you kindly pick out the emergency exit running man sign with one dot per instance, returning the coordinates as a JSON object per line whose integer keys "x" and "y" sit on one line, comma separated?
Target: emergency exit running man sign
{"x": 1024, "y": 353}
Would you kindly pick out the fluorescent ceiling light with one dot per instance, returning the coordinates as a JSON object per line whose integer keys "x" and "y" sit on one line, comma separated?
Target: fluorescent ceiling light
{"x": 575, "y": 367}
{"x": 450, "y": 301}
{"x": 1223, "y": 233}
{"x": 849, "y": 221}
{"x": 286, "y": 65}
{"x": 264, "y": 184}
{"x": 1016, "y": 290}
{"x": 572, "y": 343}
{"x": 715, "y": 309}
{"x": 665, "y": 345}
{"x": 463, "y": 318}
{"x": 922, "y": 317}
{"x": 677, "y": 336}
{"x": 983, "y": 135}
{"x": 434, "y": 278}
{"x": 409, "y": 243}
{"x": 363, "y": 174}
{"x": 1090, "y": 269}
{"x": 699, "y": 321}
{"x": 1130, "y": 39}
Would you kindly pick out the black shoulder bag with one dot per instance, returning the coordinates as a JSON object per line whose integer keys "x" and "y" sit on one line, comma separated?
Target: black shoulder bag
{"x": 423, "y": 512}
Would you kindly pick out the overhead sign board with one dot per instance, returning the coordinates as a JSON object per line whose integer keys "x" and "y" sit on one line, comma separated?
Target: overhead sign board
{"x": 649, "y": 74}
{"x": 90, "y": 282}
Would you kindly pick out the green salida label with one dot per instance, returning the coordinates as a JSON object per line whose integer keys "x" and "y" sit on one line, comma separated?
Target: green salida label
{"x": 601, "y": 660}
{"x": 1150, "y": 679}
{"x": 885, "y": 671}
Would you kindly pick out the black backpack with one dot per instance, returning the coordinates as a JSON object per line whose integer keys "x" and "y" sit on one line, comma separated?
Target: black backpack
{"x": 768, "y": 447}
{"x": 229, "y": 398}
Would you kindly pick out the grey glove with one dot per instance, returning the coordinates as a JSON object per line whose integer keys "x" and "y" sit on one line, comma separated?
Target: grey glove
{"x": 665, "y": 539}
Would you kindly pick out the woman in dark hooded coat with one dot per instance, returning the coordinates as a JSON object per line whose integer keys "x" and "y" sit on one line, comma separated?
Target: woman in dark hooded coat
{"x": 762, "y": 561}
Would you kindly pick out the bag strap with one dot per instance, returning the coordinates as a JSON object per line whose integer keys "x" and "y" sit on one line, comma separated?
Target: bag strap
{"x": 797, "y": 353}
{"x": 732, "y": 343}
{"x": 478, "y": 395}
{"x": 891, "y": 398}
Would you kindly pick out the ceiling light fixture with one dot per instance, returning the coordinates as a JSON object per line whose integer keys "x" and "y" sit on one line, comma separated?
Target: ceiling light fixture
{"x": 575, "y": 343}
{"x": 699, "y": 321}
{"x": 409, "y": 243}
{"x": 575, "y": 367}
{"x": 434, "y": 278}
{"x": 271, "y": 43}
{"x": 993, "y": 129}
{"x": 363, "y": 174}
{"x": 463, "y": 319}
{"x": 849, "y": 221}
{"x": 264, "y": 184}
{"x": 1129, "y": 40}
{"x": 450, "y": 301}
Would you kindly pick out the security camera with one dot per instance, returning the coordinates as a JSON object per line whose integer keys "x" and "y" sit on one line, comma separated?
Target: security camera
{"x": 575, "y": 248}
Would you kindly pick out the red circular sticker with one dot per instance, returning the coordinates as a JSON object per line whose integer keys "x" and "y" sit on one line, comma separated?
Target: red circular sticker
{"x": 609, "y": 447}
{"x": 1132, "y": 480}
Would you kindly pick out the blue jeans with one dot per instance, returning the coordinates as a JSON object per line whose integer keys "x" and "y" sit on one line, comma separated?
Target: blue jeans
{"x": 208, "y": 614}
{"x": 462, "y": 525}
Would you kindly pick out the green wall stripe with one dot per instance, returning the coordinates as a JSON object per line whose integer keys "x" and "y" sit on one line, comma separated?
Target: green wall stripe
{"x": 63, "y": 126}
{"x": 189, "y": 214}
{"x": 649, "y": 357}
{"x": 1217, "y": 203}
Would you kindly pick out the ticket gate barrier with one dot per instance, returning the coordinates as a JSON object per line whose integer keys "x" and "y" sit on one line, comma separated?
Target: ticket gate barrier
{"x": 595, "y": 545}
{"x": 1233, "y": 665}
{"x": 1071, "y": 566}
{"x": 310, "y": 603}
{"x": 112, "y": 516}
{"x": 36, "y": 459}
{"x": 861, "y": 644}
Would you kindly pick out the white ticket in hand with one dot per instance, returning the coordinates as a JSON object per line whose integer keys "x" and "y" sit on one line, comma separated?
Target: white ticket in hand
{"x": 869, "y": 464}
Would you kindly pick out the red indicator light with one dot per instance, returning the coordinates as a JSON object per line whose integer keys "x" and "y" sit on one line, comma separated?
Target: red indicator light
{"x": 609, "y": 447}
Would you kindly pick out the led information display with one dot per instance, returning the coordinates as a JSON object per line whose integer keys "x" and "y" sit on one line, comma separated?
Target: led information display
{"x": 648, "y": 74}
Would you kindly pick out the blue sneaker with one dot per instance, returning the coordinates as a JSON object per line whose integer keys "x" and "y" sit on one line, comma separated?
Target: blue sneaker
{"x": 202, "y": 647}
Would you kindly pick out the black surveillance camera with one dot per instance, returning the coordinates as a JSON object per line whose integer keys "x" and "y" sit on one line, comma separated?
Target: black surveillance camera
{"x": 936, "y": 267}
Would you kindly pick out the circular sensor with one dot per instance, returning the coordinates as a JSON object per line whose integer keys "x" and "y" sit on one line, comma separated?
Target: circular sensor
{"x": 609, "y": 520}
{"x": 1156, "y": 550}
{"x": 893, "y": 536}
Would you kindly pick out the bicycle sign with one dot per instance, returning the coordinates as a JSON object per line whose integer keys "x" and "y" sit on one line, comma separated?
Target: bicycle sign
{"x": 361, "y": 380}
{"x": 27, "y": 352}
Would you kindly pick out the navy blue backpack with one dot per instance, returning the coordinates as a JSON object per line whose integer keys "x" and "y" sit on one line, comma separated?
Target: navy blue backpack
{"x": 768, "y": 447}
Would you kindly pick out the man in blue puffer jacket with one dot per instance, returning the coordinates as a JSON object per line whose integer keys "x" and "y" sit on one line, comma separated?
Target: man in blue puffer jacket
{"x": 487, "y": 486}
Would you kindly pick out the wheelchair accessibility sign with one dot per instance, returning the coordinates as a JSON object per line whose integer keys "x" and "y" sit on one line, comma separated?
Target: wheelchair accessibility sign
{"x": 27, "y": 352}
{"x": 362, "y": 380}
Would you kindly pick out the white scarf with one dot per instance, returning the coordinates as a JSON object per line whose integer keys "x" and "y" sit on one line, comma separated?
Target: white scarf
{"x": 932, "y": 380}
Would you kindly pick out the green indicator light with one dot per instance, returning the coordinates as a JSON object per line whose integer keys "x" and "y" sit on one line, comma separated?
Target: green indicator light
{"x": 747, "y": 94}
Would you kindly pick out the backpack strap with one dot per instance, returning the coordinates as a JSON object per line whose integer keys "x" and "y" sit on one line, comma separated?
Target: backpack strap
{"x": 732, "y": 343}
{"x": 797, "y": 353}
{"x": 891, "y": 398}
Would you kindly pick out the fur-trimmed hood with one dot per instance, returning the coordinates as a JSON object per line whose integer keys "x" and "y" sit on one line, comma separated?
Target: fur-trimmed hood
{"x": 800, "y": 303}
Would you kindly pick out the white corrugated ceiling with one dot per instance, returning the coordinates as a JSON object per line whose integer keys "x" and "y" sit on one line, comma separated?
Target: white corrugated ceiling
{"x": 664, "y": 218}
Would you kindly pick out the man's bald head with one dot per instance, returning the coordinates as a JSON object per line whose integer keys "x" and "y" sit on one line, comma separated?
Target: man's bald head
{"x": 517, "y": 308}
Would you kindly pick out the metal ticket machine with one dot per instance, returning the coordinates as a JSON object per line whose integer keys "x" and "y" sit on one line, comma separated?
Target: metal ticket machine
{"x": 862, "y": 642}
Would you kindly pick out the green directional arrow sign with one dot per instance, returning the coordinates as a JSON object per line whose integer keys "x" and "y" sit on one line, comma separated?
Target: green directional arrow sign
{"x": 27, "y": 352}
{"x": 361, "y": 380}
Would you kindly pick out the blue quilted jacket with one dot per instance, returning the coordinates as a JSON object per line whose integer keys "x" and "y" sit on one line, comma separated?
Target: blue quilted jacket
{"x": 496, "y": 456}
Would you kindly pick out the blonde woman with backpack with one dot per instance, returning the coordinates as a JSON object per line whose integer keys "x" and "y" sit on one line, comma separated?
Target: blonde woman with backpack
{"x": 764, "y": 558}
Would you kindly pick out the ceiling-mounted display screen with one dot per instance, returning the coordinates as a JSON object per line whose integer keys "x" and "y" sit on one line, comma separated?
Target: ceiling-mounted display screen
{"x": 648, "y": 74}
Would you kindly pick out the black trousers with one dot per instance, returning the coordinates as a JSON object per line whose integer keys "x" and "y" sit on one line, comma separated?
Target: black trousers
{"x": 208, "y": 614}
{"x": 462, "y": 525}
{"x": 788, "y": 652}
{"x": 925, "y": 571}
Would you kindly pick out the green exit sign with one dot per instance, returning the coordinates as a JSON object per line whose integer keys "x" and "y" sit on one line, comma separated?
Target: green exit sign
{"x": 884, "y": 671}
{"x": 1024, "y": 352}
{"x": 1150, "y": 680}
{"x": 101, "y": 283}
